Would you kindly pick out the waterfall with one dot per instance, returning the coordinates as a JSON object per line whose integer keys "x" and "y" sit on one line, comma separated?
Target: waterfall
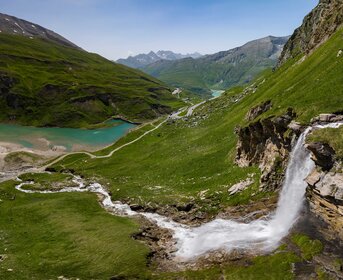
{"x": 264, "y": 234}
{"x": 259, "y": 234}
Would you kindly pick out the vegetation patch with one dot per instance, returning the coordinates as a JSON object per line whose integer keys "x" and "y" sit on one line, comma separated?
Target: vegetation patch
{"x": 309, "y": 248}
{"x": 67, "y": 234}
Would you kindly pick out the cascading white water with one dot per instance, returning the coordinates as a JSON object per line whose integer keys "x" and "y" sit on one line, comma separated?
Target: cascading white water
{"x": 260, "y": 234}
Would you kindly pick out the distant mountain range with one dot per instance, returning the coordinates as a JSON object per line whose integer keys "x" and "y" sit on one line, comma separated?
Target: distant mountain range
{"x": 142, "y": 60}
{"x": 221, "y": 70}
{"x": 46, "y": 80}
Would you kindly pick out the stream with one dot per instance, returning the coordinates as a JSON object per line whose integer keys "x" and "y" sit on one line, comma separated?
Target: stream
{"x": 263, "y": 234}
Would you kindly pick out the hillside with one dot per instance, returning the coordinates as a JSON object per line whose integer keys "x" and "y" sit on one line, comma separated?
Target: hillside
{"x": 226, "y": 161}
{"x": 16, "y": 26}
{"x": 222, "y": 70}
{"x": 46, "y": 83}
{"x": 179, "y": 170}
{"x": 142, "y": 60}
{"x": 317, "y": 27}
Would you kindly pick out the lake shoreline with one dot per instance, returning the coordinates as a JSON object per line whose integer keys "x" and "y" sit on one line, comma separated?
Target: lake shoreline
{"x": 61, "y": 139}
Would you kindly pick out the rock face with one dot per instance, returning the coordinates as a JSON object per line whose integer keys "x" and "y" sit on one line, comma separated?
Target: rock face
{"x": 325, "y": 196}
{"x": 327, "y": 118}
{"x": 323, "y": 155}
{"x": 325, "y": 184}
{"x": 266, "y": 143}
{"x": 317, "y": 27}
{"x": 258, "y": 110}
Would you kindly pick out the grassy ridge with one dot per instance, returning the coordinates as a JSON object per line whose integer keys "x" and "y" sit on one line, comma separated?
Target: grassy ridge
{"x": 46, "y": 84}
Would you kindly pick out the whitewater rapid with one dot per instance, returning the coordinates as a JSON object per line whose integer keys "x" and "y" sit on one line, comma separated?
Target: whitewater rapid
{"x": 263, "y": 234}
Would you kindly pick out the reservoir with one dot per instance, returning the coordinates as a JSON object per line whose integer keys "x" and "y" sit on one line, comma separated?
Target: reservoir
{"x": 68, "y": 139}
{"x": 217, "y": 93}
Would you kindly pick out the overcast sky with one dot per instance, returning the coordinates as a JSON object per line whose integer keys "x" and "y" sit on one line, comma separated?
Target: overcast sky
{"x": 118, "y": 28}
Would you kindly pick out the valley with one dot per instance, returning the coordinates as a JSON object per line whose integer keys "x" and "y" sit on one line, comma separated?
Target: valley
{"x": 110, "y": 173}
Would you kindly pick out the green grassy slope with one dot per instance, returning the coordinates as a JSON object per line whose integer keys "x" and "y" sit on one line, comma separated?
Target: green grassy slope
{"x": 70, "y": 235}
{"x": 185, "y": 158}
{"x": 188, "y": 157}
{"x": 42, "y": 83}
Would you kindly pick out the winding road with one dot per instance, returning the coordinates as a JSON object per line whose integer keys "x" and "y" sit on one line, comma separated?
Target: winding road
{"x": 41, "y": 169}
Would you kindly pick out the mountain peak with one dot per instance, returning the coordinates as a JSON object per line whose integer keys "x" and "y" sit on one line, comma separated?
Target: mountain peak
{"x": 142, "y": 60}
{"x": 317, "y": 27}
{"x": 16, "y": 26}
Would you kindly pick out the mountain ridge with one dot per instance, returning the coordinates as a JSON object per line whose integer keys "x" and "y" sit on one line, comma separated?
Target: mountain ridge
{"x": 221, "y": 70}
{"x": 16, "y": 26}
{"x": 142, "y": 60}
{"x": 317, "y": 27}
{"x": 48, "y": 81}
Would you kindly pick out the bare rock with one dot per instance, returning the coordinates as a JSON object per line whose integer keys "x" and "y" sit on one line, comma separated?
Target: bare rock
{"x": 258, "y": 110}
{"x": 325, "y": 196}
{"x": 317, "y": 27}
{"x": 241, "y": 186}
{"x": 322, "y": 154}
{"x": 314, "y": 177}
{"x": 296, "y": 127}
{"x": 327, "y": 118}
{"x": 266, "y": 143}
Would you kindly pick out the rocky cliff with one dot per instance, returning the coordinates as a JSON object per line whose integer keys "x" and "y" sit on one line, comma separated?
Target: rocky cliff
{"x": 325, "y": 196}
{"x": 266, "y": 142}
{"x": 317, "y": 27}
{"x": 325, "y": 185}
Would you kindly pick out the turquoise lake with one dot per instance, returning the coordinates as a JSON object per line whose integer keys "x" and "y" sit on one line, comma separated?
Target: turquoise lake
{"x": 217, "y": 93}
{"x": 70, "y": 138}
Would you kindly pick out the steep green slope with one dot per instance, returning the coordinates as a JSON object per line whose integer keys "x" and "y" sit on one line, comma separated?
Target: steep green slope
{"x": 197, "y": 154}
{"x": 221, "y": 70}
{"x": 45, "y": 84}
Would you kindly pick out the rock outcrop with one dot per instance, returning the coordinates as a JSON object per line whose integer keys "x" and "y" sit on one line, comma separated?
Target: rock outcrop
{"x": 317, "y": 27}
{"x": 327, "y": 118}
{"x": 241, "y": 186}
{"x": 325, "y": 196}
{"x": 323, "y": 155}
{"x": 325, "y": 184}
{"x": 258, "y": 110}
{"x": 267, "y": 144}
